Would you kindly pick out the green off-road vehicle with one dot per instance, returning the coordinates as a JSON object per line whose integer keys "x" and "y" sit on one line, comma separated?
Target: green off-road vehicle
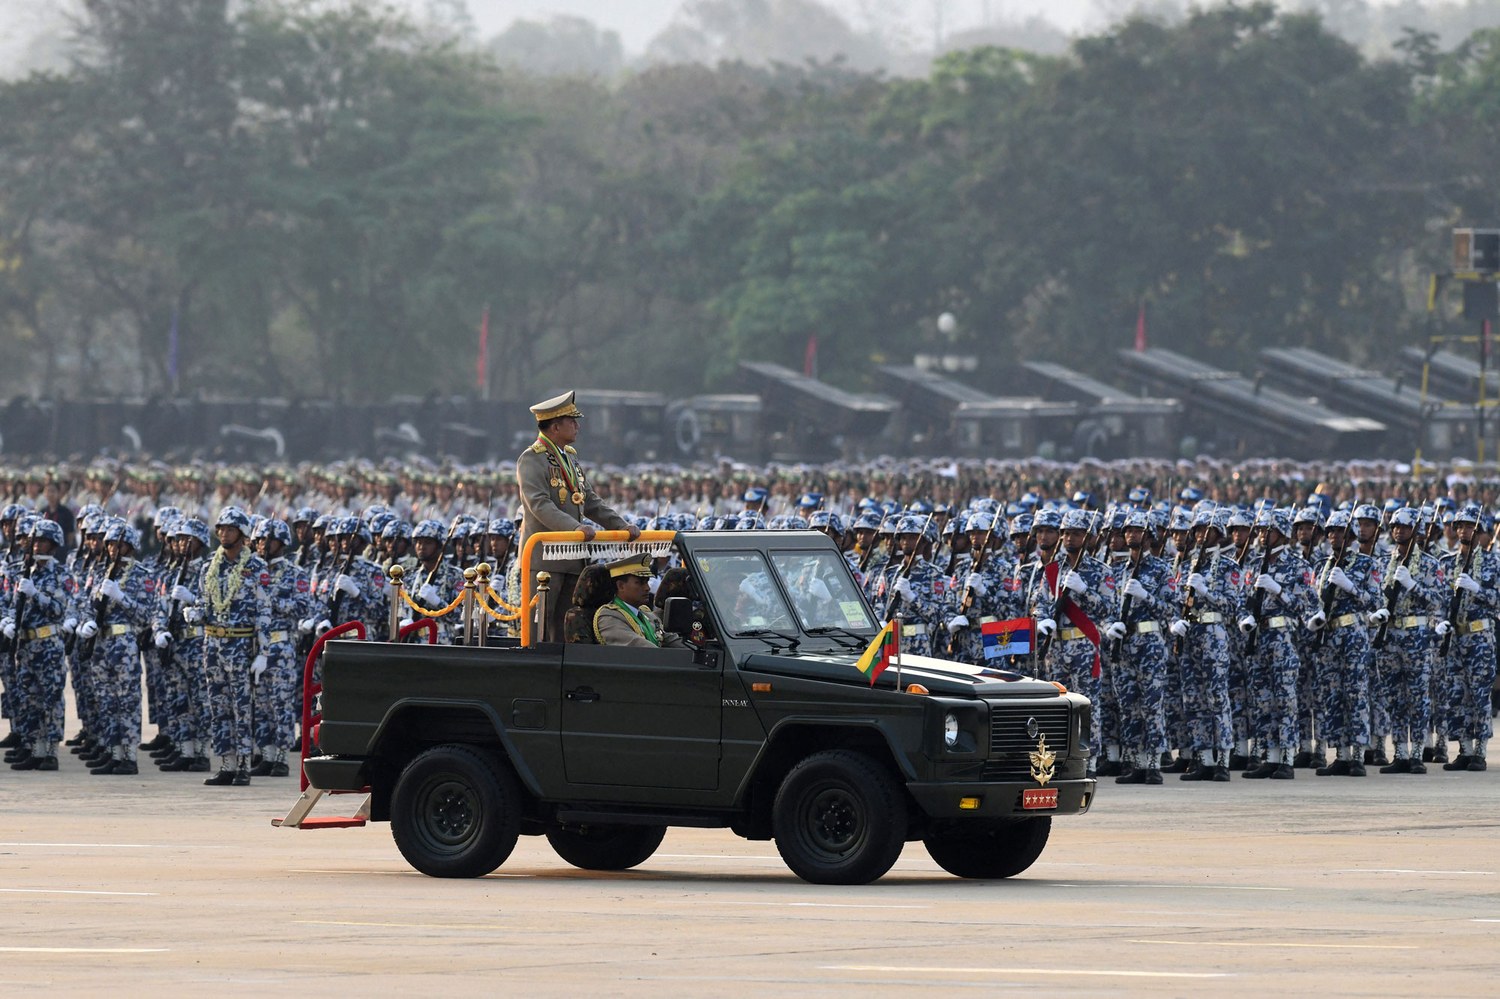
{"x": 763, "y": 726}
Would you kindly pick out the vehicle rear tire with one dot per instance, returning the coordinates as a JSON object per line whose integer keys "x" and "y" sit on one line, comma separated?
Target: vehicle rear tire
{"x": 839, "y": 819}
{"x": 988, "y": 848}
{"x": 604, "y": 847}
{"x": 456, "y": 812}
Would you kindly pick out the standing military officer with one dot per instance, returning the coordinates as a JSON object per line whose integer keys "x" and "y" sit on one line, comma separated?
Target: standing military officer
{"x": 1470, "y": 666}
{"x": 1411, "y": 616}
{"x": 1341, "y": 655}
{"x": 1211, "y": 596}
{"x": 556, "y": 495}
{"x": 40, "y": 600}
{"x": 277, "y": 689}
{"x": 122, "y": 606}
{"x": 1141, "y": 665}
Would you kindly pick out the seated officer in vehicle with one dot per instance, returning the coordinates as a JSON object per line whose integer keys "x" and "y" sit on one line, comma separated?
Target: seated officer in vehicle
{"x": 627, "y": 619}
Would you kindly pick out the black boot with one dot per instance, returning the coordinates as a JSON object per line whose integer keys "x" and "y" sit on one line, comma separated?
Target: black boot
{"x": 11, "y": 741}
{"x": 1181, "y": 765}
{"x": 1238, "y": 762}
{"x": 261, "y": 769}
{"x": 79, "y": 739}
{"x": 1459, "y": 762}
{"x": 1417, "y": 767}
{"x": 223, "y": 778}
{"x": 241, "y": 778}
{"x": 1303, "y": 760}
{"x": 1401, "y": 765}
{"x": 1356, "y": 768}
{"x": 36, "y": 763}
{"x": 160, "y": 742}
{"x": 105, "y": 768}
{"x": 1261, "y": 772}
{"x": 1477, "y": 764}
{"x": 1283, "y": 771}
{"x": 1338, "y": 768}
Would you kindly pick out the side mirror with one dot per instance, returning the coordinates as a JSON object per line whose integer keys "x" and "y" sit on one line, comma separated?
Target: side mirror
{"x": 677, "y": 615}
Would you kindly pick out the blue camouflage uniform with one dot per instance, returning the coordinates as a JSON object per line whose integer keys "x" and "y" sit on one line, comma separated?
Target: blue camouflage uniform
{"x": 34, "y": 621}
{"x": 1140, "y": 668}
{"x": 278, "y": 690}
{"x": 1404, "y": 666}
{"x": 1212, "y": 583}
{"x": 122, "y": 602}
{"x": 1469, "y": 669}
{"x": 1342, "y": 660}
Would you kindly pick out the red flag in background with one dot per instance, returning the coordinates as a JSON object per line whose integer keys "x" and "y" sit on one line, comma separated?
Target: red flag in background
{"x": 482, "y": 368}
{"x": 1140, "y": 328}
{"x": 810, "y": 356}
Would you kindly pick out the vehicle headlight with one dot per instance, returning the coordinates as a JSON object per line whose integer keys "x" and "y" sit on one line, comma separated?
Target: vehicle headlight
{"x": 950, "y": 730}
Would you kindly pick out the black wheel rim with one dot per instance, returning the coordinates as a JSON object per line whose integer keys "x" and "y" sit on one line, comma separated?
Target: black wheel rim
{"x": 448, "y": 813}
{"x": 833, "y": 821}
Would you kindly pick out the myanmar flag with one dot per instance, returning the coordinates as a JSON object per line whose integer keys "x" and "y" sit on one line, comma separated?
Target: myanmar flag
{"x": 1006, "y": 638}
{"x": 880, "y": 653}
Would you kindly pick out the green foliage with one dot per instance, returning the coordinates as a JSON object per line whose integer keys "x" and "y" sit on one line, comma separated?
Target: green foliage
{"x": 328, "y": 197}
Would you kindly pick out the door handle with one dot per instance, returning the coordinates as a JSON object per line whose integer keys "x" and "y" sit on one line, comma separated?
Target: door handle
{"x": 583, "y": 694}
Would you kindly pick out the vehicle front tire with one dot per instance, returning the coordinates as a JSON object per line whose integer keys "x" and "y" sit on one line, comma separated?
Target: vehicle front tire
{"x": 606, "y": 847}
{"x": 456, "y": 812}
{"x": 988, "y": 848}
{"x": 839, "y": 819}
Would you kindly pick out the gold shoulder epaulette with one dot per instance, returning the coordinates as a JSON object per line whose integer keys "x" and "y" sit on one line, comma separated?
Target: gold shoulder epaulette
{"x": 570, "y": 449}
{"x": 538, "y": 447}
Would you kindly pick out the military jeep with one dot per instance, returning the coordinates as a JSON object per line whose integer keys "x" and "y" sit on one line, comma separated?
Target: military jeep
{"x": 762, "y": 725}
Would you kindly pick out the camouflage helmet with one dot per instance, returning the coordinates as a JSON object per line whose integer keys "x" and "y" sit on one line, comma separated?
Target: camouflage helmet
{"x": 430, "y": 528}
{"x": 396, "y": 530}
{"x": 191, "y": 527}
{"x": 276, "y": 530}
{"x": 49, "y": 530}
{"x": 233, "y": 516}
{"x": 124, "y": 533}
{"x": 502, "y": 527}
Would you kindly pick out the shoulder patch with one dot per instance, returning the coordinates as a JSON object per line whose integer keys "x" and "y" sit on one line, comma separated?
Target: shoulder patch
{"x": 302, "y": 586}
{"x": 537, "y": 448}
{"x": 570, "y": 449}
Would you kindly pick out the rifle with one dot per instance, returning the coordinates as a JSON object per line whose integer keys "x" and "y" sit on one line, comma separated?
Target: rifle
{"x": 1062, "y": 597}
{"x": 336, "y": 604}
{"x": 1392, "y": 590}
{"x": 1258, "y": 601}
{"x": 1190, "y": 601}
{"x": 1329, "y": 592}
{"x": 174, "y": 610}
{"x": 967, "y": 600}
{"x": 1455, "y": 602}
{"x": 101, "y": 605}
{"x": 13, "y": 645}
{"x": 1126, "y": 601}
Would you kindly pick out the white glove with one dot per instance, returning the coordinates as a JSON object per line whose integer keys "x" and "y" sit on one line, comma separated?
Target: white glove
{"x": 1045, "y": 627}
{"x": 817, "y": 588}
{"x": 903, "y": 587}
{"x": 1074, "y": 582}
{"x": 111, "y": 588}
{"x": 70, "y": 626}
{"x": 26, "y": 587}
{"x": 162, "y": 640}
{"x": 1198, "y": 583}
{"x": 976, "y": 584}
{"x": 346, "y": 584}
{"x": 8, "y": 628}
{"x": 1178, "y": 628}
{"x": 1338, "y": 577}
{"x": 1268, "y": 583}
{"x": 1247, "y": 624}
{"x": 87, "y": 630}
{"x": 653, "y": 584}
{"x": 322, "y": 626}
{"x": 1115, "y": 631}
{"x": 1443, "y": 627}
{"x": 305, "y": 625}
{"x": 1467, "y": 582}
{"x": 405, "y": 622}
{"x": 258, "y": 665}
{"x": 1379, "y": 616}
{"x": 1135, "y": 589}
{"x": 1403, "y": 576}
{"x": 957, "y": 623}
{"x": 183, "y": 595}
{"x": 192, "y": 615}
{"x": 1317, "y": 621}
{"x": 428, "y": 594}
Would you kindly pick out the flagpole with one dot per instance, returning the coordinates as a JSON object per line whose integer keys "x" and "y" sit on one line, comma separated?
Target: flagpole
{"x": 896, "y": 637}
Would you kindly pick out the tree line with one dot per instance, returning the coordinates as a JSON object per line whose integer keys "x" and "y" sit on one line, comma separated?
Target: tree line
{"x": 296, "y": 198}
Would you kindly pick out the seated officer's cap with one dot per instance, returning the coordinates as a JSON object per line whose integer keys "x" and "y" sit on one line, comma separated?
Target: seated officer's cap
{"x": 551, "y": 409}
{"x": 631, "y": 565}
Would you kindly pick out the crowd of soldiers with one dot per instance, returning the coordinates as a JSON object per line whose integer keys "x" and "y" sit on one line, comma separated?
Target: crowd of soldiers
{"x": 1253, "y": 616}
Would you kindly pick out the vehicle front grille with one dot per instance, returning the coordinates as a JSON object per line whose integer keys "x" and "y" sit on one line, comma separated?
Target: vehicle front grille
{"x": 1010, "y": 745}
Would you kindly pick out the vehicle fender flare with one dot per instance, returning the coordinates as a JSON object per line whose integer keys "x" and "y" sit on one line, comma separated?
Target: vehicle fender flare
{"x": 487, "y": 711}
{"x": 799, "y": 735}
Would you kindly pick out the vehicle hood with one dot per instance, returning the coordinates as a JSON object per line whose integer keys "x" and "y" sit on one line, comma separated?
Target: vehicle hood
{"x": 939, "y": 676}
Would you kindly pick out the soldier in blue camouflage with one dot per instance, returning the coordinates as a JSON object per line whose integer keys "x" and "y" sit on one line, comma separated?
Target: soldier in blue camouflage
{"x": 1470, "y": 667}
{"x": 40, "y": 594}
{"x": 437, "y": 580}
{"x": 181, "y": 645}
{"x": 121, "y": 605}
{"x": 1349, "y": 592}
{"x": 1061, "y": 574}
{"x": 1211, "y": 597}
{"x": 912, "y": 587}
{"x": 1148, "y": 596}
{"x": 979, "y": 588}
{"x": 156, "y": 566}
{"x": 278, "y": 690}
{"x": 235, "y": 608}
{"x": 1288, "y": 603}
{"x": 1413, "y": 582}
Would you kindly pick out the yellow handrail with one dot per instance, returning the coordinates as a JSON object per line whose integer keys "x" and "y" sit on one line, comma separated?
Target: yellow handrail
{"x": 528, "y": 581}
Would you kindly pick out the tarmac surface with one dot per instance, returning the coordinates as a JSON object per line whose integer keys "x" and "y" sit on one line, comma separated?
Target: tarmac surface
{"x": 1389, "y": 886}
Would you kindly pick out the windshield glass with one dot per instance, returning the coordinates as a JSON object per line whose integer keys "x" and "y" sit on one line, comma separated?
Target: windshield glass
{"x": 823, "y": 593}
{"x": 741, "y": 588}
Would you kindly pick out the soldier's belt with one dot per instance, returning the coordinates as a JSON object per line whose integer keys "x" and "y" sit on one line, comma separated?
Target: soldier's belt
{"x": 1209, "y": 617}
{"x": 1344, "y": 621}
{"x": 192, "y": 631}
{"x": 912, "y": 630}
{"x": 1070, "y": 634}
{"x": 1470, "y": 627}
{"x": 214, "y": 631}
{"x": 1403, "y": 623}
{"x": 1279, "y": 621}
{"x": 988, "y": 619}
{"x": 279, "y": 636}
{"x": 1147, "y": 627}
{"x": 37, "y": 634}
{"x": 119, "y": 629}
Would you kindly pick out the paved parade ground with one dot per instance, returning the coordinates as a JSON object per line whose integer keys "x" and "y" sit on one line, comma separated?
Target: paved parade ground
{"x": 1322, "y": 886}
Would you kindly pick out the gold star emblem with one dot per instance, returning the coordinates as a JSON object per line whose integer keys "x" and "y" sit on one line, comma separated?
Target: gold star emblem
{"x": 1043, "y": 762}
